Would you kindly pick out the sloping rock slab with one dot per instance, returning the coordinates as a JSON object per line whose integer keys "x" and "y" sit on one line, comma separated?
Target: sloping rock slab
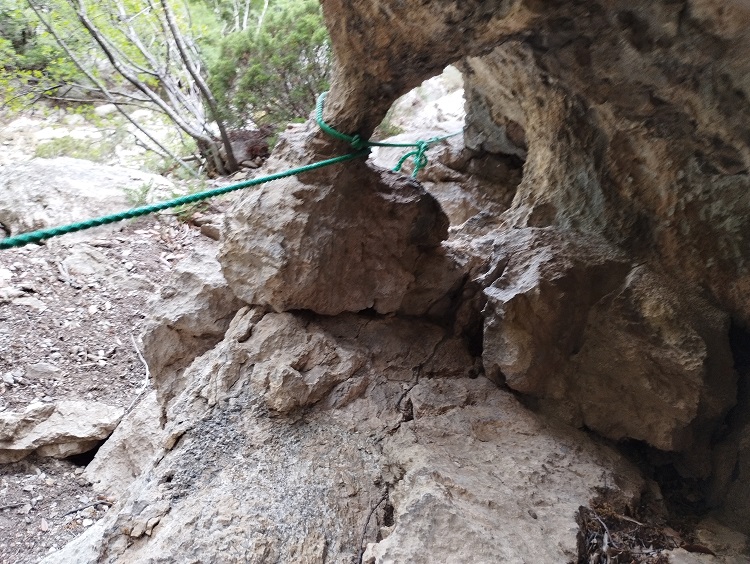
{"x": 58, "y": 430}
{"x": 369, "y": 413}
{"x": 128, "y": 451}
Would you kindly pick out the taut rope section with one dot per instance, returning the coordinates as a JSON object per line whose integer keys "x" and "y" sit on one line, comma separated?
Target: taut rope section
{"x": 362, "y": 149}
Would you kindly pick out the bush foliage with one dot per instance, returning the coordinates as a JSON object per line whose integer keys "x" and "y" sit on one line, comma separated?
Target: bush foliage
{"x": 31, "y": 61}
{"x": 274, "y": 73}
{"x": 207, "y": 65}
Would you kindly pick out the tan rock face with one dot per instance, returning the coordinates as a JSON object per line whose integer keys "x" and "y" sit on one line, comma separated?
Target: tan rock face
{"x": 384, "y": 49}
{"x": 45, "y": 193}
{"x": 605, "y": 289}
{"x": 250, "y": 476}
{"x": 58, "y": 430}
{"x": 346, "y": 245}
{"x": 129, "y": 450}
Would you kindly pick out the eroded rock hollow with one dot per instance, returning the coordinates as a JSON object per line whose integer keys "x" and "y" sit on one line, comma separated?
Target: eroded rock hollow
{"x": 354, "y": 381}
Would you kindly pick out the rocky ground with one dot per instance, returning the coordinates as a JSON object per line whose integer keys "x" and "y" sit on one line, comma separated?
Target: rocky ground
{"x": 70, "y": 317}
{"x": 71, "y": 313}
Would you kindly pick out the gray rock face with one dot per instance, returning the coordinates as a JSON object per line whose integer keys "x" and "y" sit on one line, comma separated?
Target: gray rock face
{"x": 59, "y": 429}
{"x": 190, "y": 315}
{"x": 388, "y": 410}
{"x": 623, "y": 351}
{"x": 348, "y": 244}
{"x": 45, "y": 193}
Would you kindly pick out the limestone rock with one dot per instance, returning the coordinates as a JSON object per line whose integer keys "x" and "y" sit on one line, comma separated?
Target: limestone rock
{"x": 347, "y": 245}
{"x": 189, "y": 316}
{"x": 478, "y": 443}
{"x": 618, "y": 142}
{"x": 466, "y": 182}
{"x": 608, "y": 272}
{"x": 436, "y": 35}
{"x": 672, "y": 372}
{"x": 539, "y": 286}
{"x": 405, "y": 423}
{"x": 58, "y": 430}
{"x": 559, "y": 326}
{"x": 128, "y": 451}
{"x": 49, "y": 192}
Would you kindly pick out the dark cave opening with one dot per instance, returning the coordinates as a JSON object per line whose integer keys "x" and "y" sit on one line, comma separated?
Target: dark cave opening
{"x": 83, "y": 459}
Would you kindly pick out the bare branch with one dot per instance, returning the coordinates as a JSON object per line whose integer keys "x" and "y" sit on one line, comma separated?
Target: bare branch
{"x": 200, "y": 83}
{"x": 104, "y": 90}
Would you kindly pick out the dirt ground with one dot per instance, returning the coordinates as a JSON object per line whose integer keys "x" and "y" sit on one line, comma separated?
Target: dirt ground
{"x": 68, "y": 330}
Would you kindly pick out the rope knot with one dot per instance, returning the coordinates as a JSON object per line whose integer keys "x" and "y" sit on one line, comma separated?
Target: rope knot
{"x": 358, "y": 143}
{"x": 419, "y": 152}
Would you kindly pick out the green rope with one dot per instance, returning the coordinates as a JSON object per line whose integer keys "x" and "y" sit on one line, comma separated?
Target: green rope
{"x": 361, "y": 147}
{"x": 37, "y": 236}
{"x": 418, "y": 154}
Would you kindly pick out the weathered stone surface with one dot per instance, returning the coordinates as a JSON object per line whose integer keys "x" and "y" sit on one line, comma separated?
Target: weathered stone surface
{"x": 609, "y": 280}
{"x": 493, "y": 456}
{"x": 560, "y": 326}
{"x": 619, "y": 142}
{"x": 406, "y": 424}
{"x": 540, "y": 285}
{"x": 466, "y": 182}
{"x": 384, "y": 51}
{"x": 129, "y": 450}
{"x": 86, "y": 262}
{"x": 49, "y": 192}
{"x": 58, "y": 430}
{"x": 189, "y": 316}
{"x": 672, "y": 371}
{"x": 346, "y": 245}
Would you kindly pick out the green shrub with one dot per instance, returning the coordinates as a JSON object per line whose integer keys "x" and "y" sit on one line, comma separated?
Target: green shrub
{"x": 31, "y": 62}
{"x": 99, "y": 151}
{"x": 274, "y": 74}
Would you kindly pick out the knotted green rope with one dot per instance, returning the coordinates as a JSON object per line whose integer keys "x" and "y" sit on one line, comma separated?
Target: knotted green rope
{"x": 37, "y": 236}
{"x": 362, "y": 148}
{"x": 420, "y": 147}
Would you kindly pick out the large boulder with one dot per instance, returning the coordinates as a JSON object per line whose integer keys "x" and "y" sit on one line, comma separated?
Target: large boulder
{"x": 616, "y": 348}
{"x": 46, "y": 193}
{"x": 347, "y": 242}
{"x": 364, "y": 425}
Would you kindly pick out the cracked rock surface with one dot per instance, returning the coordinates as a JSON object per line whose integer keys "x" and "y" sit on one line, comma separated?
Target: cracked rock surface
{"x": 242, "y": 463}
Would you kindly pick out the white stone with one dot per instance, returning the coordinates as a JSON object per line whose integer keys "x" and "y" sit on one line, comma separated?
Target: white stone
{"x": 55, "y": 429}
